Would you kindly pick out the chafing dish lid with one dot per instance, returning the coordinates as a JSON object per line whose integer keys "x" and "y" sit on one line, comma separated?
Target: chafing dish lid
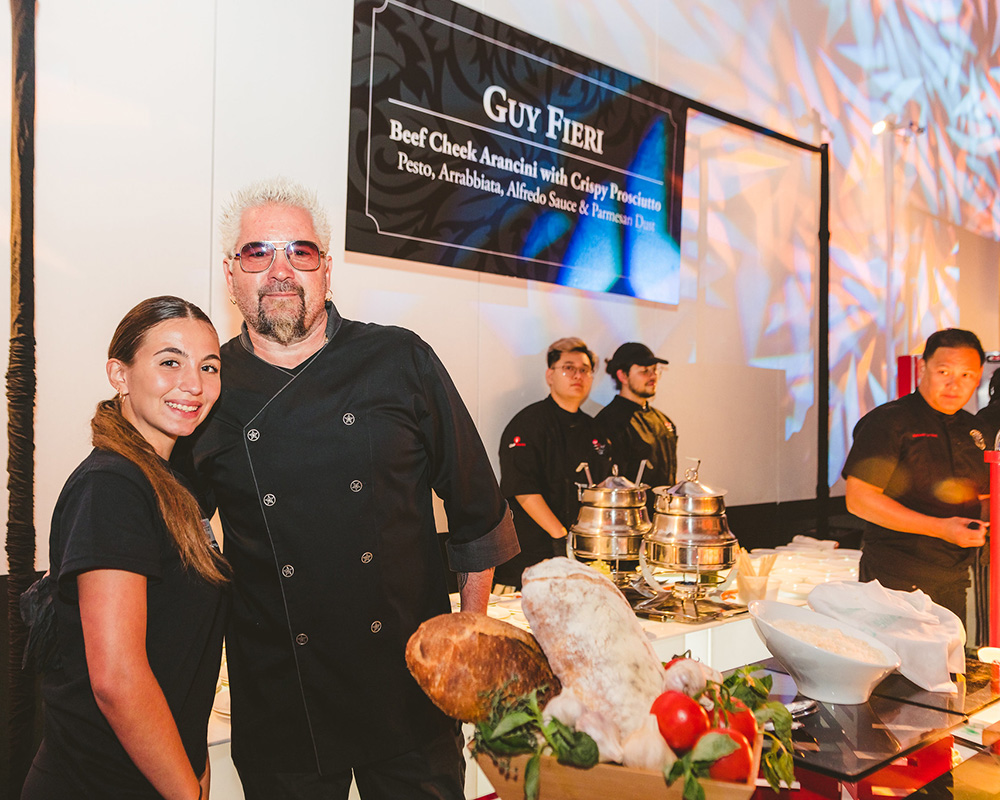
{"x": 690, "y": 486}
{"x": 690, "y": 489}
{"x": 616, "y": 482}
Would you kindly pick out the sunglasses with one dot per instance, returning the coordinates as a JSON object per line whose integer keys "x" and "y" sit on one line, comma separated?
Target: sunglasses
{"x": 259, "y": 256}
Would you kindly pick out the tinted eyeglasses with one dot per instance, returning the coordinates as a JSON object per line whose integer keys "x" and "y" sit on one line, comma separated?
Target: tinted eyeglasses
{"x": 259, "y": 256}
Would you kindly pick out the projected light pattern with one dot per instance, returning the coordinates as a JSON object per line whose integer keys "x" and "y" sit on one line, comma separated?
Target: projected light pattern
{"x": 763, "y": 253}
{"x": 652, "y": 261}
{"x": 640, "y": 260}
{"x": 925, "y": 61}
{"x": 548, "y": 229}
{"x": 826, "y": 70}
{"x": 594, "y": 255}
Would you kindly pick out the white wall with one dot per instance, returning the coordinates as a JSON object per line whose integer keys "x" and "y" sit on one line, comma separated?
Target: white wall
{"x": 149, "y": 114}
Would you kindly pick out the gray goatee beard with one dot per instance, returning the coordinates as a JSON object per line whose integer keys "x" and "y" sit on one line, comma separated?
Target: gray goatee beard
{"x": 285, "y": 326}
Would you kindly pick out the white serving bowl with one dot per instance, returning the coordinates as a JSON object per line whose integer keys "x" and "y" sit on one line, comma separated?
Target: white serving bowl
{"x": 820, "y": 674}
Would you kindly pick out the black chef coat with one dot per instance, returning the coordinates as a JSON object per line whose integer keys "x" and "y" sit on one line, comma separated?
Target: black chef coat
{"x": 988, "y": 421}
{"x": 540, "y": 449}
{"x": 323, "y": 478}
{"x": 637, "y": 432}
{"x": 107, "y": 517}
{"x": 932, "y": 463}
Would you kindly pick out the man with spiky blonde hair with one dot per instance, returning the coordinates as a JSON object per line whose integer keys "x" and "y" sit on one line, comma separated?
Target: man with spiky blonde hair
{"x": 322, "y": 454}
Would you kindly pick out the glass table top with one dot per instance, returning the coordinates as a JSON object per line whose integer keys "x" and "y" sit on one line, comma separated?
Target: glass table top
{"x": 849, "y": 742}
{"x": 975, "y": 690}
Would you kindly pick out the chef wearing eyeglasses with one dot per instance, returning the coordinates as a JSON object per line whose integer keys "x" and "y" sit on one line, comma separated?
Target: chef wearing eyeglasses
{"x": 540, "y": 451}
{"x": 321, "y": 454}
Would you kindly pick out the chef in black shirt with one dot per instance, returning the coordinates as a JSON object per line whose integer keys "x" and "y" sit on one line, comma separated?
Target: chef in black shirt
{"x": 988, "y": 417}
{"x": 324, "y": 447}
{"x": 916, "y": 475}
{"x": 540, "y": 450}
{"x": 635, "y": 429}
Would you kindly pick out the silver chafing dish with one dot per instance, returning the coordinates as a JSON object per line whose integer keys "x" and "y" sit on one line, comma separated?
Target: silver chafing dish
{"x": 690, "y": 532}
{"x": 611, "y": 523}
{"x": 689, "y": 535}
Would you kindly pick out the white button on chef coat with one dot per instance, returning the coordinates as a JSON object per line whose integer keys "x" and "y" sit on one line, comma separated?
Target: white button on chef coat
{"x": 356, "y": 486}
{"x": 376, "y": 626}
{"x": 366, "y": 557}
{"x": 348, "y": 418}
{"x": 253, "y": 434}
{"x": 288, "y": 570}
{"x": 270, "y": 499}
{"x": 301, "y": 639}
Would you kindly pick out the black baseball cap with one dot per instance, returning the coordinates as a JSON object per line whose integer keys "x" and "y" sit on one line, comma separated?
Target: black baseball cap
{"x": 632, "y": 353}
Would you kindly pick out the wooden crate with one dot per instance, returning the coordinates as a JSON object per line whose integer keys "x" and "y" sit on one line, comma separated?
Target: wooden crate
{"x": 560, "y": 782}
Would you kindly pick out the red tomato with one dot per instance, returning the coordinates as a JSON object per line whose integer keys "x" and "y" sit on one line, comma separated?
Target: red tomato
{"x": 741, "y": 720}
{"x": 681, "y": 719}
{"x": 736, "y": 766}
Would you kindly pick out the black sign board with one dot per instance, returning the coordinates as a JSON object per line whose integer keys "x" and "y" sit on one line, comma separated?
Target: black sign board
{"x": 476, "y": 145}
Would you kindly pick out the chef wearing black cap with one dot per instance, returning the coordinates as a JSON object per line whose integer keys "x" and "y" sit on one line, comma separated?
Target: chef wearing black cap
{"x": 635, "y": 429}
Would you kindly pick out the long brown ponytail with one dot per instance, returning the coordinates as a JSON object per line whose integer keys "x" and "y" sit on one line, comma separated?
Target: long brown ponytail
{"x": 111, "y": 431}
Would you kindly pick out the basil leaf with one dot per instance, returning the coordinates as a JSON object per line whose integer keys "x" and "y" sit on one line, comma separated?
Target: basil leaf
{"x": 559, "y": 736}
{"x": 779, "y": 716}
{"x": 582, "y": 753}
{"x": 778, "y": 766}
{"x": 511, "y": 722}
{"x": 532, "y": 777}
{"x": 680, "y": 767}
{"x": 693, "y": 790}
{"x": 744, "y": 684}
{"x": 712, "y": 747}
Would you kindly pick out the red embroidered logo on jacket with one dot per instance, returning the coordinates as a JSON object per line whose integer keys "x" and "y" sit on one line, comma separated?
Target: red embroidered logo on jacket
{"x": 923, "y": 436}
{"x": 517, "y": 442}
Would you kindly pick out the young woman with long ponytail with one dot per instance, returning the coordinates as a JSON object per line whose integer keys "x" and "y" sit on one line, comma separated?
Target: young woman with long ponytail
{"x": 140, "y": 603}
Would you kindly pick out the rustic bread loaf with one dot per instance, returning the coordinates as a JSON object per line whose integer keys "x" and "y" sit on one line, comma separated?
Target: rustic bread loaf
{"x": 593, "y": 640}
{"x": 463, "y": 660}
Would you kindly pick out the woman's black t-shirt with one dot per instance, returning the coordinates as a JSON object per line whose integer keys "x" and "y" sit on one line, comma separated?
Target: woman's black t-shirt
{"x": 107, "y": 518}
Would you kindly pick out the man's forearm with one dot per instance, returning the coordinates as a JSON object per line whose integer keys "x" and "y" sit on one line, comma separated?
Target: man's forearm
{"x": 474, "y": 590}
{"x": 870, "y": 504}
{"x": 536, "y": 508}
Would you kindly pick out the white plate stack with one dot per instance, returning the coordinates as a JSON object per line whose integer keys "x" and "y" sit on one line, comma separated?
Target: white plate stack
{"x": 806, "y": 562}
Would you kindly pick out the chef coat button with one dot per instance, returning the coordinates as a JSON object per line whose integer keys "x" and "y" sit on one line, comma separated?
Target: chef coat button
{"x": 349, "y": 418}
{"x": 288, "y": 570}
{"x": 376, "y": 626}
{"x": 366, "y": 557}
{"x": 301, "y": 639}
{"x": 356, "y": 486}
{"x": 270, "y": 499}
{"x": 253, "y": 434}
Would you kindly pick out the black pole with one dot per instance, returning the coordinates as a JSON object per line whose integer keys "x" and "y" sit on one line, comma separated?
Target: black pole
{"x": 823, "y": 363}
{"x": 21, "y": 388}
